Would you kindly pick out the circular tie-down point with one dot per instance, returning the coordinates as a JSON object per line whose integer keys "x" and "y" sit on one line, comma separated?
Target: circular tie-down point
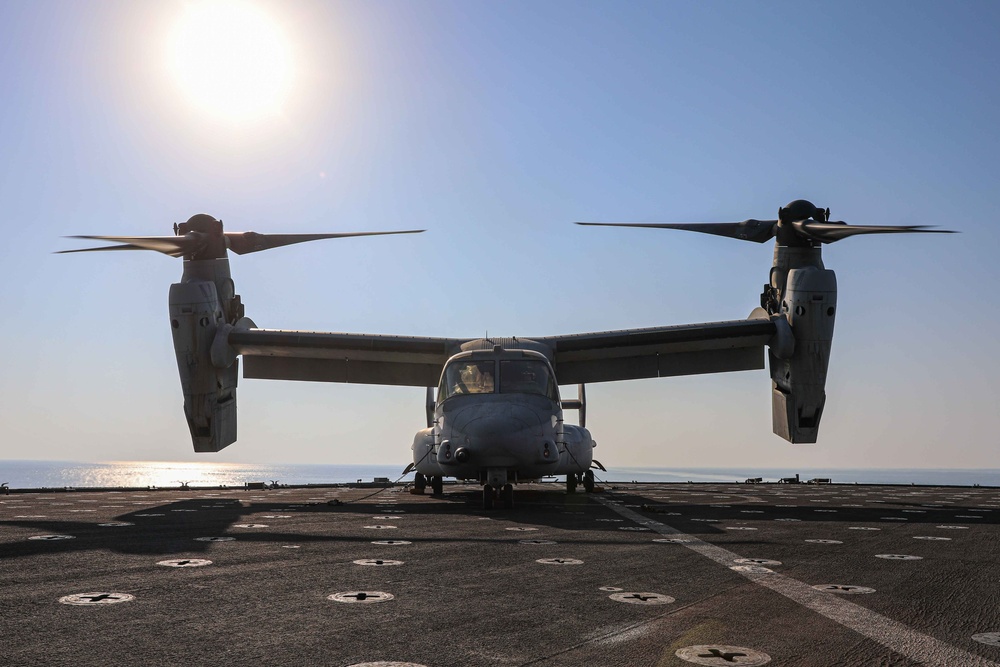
{"x": 380, "y": 527}
{"x": 522, "y": 529}
{"x": 862, "y": 528}
{"x": 752, "y": 569}
{"x": 757, "y": 561}
{"x": 185, "y": 562}
{"x": 96, "y": 598}
{"x": 672, "y": 540}
{"x": 898, "y": 557}
{"x": 933, "y": 538}
{"x": 377, "y": 562}
{"x": 739, "y": 528}
{"x": 718, "y": 654}
{"x": 641, "y": 598}
{"x": 214, "y": 539}
{"x": 559, "y": 561}
{"x": 388, "y": 518}
{"x": 391, "y": 542}
{"x": 362, "y": 597}
{"x": 990, "y": 638}
{"x": 52, "y": 538}
{"x": 276, "y": 516}
{"x": 537, "y": 542}
{"x": 611, "y": 589}
{"x": 250, "y": 525}
{"x": 290, "y": 546}
{"x": 116, "y": 524}
{"x": 633, "y": 528}
{"x": 954, "y": 527}
{"x": 843, "y": 589}
{"x": 824, "y": 541}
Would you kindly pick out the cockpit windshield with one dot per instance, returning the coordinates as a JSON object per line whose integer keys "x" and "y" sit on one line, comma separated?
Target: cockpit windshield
{"x": 527, "y": 376}
{"x": 468, "y": 377}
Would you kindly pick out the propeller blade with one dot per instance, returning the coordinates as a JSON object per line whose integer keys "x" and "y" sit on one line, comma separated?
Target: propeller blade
{"x": 243, "y": 243}
{"x": 175, "y": 246}
{"x": 127, "y": 246}
{"x": 828, "y": 232}
{"x": 239, "y": 242}
{"x": 757, "y": 231}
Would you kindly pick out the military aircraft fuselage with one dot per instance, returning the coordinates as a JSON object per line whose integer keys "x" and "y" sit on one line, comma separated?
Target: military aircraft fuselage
{"x": 498, "y": 418}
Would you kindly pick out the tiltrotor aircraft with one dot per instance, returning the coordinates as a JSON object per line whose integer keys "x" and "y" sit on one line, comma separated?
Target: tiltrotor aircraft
{"x": 497, "y": 414}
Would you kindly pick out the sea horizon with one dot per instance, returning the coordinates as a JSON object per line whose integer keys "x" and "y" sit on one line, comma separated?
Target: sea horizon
{"x": 31, "y": 474}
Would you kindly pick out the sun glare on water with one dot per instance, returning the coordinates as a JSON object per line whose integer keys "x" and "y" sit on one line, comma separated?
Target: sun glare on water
{"x": 231, "y": 60}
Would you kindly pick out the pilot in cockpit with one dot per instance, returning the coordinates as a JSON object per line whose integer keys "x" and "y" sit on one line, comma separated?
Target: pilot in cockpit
{"x": 475, "y": 379}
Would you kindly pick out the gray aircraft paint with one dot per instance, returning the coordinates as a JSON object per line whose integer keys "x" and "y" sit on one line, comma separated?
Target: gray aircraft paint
{"x": 495, "y": 437}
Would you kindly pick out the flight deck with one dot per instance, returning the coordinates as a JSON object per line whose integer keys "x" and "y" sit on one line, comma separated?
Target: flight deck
{"x": 640, "y": 575}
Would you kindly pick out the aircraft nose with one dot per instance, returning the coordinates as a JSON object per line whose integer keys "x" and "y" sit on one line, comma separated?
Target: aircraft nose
{"x": 496, "y": 435}
{"x": 489, "y": 422}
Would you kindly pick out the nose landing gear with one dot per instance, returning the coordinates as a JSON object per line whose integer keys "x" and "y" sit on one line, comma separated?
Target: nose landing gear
{"x": 505, "y": 495}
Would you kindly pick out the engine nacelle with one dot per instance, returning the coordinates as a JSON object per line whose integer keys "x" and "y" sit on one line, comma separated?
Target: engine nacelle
{"x": 798, "y": 394}
{"x": 196, "y": 318}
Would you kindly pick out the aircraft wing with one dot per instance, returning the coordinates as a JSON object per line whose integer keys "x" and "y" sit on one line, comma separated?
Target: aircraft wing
{"x": 342, "y": 357}
{"x": 687, "y": 349}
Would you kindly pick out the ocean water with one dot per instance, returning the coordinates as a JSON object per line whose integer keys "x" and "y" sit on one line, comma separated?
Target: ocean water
{"x": 60, "y": 474}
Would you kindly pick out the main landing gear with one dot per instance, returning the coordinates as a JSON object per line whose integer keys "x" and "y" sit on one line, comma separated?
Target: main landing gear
{"x": 573, "y": 479}
{"x": 420, "y": 484}
{"x": 505, "y": 496}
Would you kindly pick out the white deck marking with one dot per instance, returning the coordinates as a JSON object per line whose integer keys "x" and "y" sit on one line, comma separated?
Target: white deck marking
{"x": 894, "y": 635}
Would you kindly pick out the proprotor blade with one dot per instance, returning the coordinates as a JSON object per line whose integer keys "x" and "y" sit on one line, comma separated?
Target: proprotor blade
{"x": 175, "y": 246}
{"x": 828, "y": 232}
{"x": 757, "y": 231}
{"x": 243, "y": 243}
{"x": 127, "y": 246}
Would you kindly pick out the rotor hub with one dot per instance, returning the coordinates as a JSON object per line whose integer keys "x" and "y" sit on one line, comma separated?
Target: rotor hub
{"x": 202, "y": 222}
{"x": 801, "y": 209}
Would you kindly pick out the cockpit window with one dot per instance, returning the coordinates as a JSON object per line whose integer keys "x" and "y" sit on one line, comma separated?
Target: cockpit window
{"x": 467, "y": 377}
{"x": 527, "y": 377}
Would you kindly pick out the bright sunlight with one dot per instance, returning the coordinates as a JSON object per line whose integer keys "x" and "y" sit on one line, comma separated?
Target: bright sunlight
{"x": 231, "y": 60}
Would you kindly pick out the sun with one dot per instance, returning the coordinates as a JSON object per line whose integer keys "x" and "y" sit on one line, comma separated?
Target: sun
{"x": 231, "y": 60}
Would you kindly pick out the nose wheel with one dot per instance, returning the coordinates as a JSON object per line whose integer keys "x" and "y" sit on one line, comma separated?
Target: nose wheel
{"x": 437, "y": 485}
{"x": 505, "y": 496}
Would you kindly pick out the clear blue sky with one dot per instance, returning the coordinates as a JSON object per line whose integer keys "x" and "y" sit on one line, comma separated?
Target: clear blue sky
{"x": 495, "y": 126}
